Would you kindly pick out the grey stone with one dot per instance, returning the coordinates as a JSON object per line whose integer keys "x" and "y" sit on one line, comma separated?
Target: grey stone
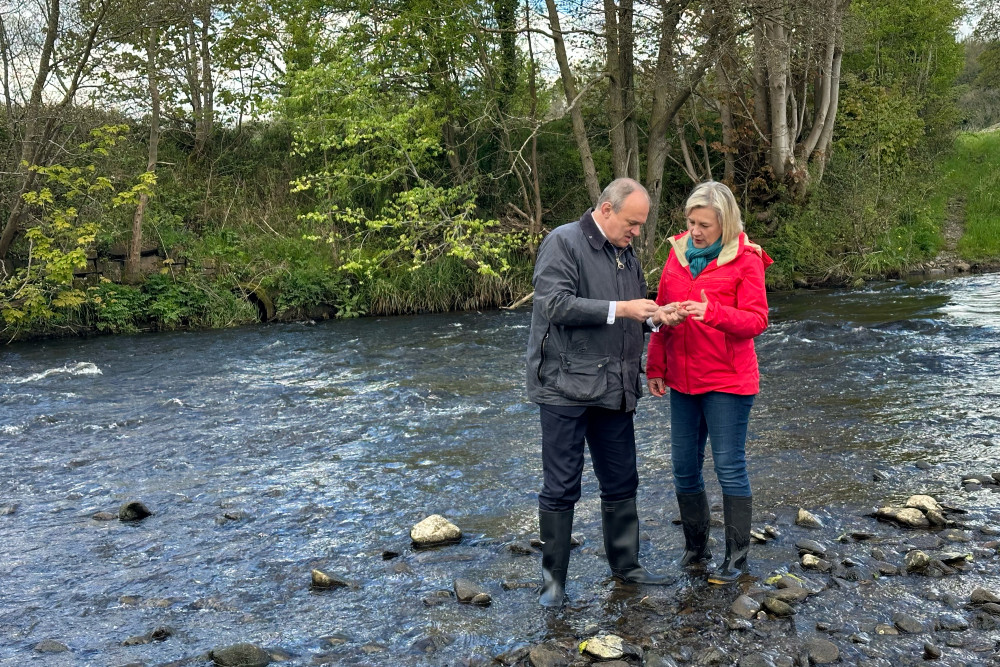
{"x": 548, "y": 655}
{"x": 466, "y": 590}
{"x": 861, "y": 638}
{"x": 133, "y": 510}
{"x": 923, "y": 465}
{"x": 50, "y": 646}
{"x": 481, "y": 599}
{"x": 791, "y": 595}
{"x": 604, "y": 647}
{"x": 103, "y": 516}
{"x": 777, "y": 607}
{"x": 937, "y": 518}
{"x": 652, "y": 659}
{"x": 739, "y": 624}
{"x": 320, "y": 579}
{"x": 922, "y": 503}
{"x": 811, "y": 547}
{"x": 904, "y": 516}
{"x": 521, "y": 548}
{"x": 822, "y": 651}
{"x": 886, "y": 569}
{"x": 240, "y": 655}
{"x": 981, "y": 595}
{"x": 907, "y": 623}
{"x": 924, "y": 541}
{"x": 885, "y": 629}
{"x": 916, "y": 560}
{"x": 953, "y": 622}
{"x": 991, "y": 608}
{"x": 931, "y": 652}
{"x": 745, "y": 607}
{"x": 756, "y": 660}
{"x": 955, "y": 535}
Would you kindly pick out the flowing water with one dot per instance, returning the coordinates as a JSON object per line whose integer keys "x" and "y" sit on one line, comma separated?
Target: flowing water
{"x": 265, "y": 452}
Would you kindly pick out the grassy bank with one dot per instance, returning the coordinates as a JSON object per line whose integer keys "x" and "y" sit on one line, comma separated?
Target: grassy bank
{"x": 973, "y": 174}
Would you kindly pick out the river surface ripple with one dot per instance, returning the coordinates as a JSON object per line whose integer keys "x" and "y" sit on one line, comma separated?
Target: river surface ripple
{"x": 267, "y": 451}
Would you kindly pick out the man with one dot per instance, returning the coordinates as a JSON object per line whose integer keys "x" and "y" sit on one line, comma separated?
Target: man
{"x": 583, "y": 365}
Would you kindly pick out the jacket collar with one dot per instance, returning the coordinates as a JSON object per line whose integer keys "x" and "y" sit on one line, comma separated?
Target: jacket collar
{"x": 591, "y": 230}
{"x": 729, "y": 252}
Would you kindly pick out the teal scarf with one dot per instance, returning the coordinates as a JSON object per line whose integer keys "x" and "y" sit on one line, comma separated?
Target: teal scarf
{"x": 698, "y": 258}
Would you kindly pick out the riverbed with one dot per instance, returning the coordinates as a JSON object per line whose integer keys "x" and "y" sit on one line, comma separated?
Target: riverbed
{"x": 265, "y": 452}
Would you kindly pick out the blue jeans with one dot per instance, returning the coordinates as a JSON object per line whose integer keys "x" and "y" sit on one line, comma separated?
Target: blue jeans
{"x": 721, "y": 418}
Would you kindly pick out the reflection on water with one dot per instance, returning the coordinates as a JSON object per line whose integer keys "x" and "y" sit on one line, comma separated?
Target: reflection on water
{"x": 268, "y": 451}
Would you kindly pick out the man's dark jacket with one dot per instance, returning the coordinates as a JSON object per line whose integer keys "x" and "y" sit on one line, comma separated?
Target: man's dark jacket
{"x": 574, "y": 356}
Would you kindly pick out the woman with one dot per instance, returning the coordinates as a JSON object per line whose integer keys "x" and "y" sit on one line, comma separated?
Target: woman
{"x": 714, "y": 279}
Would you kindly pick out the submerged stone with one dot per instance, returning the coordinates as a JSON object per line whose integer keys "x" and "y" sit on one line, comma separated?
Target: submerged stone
{"x": 981, "y": 595}
{"x": 548, "y": 655}
{"x": 916, "y": 560}
{"x": 745, "y": 607}
{"x": 133, "y": 510}
{"x": 907, "y": 623}
{"x": 467, "y": 590}
{"x": 807, "y": 519}
{"x": 822, "y": 651}
{"x": 240, "y": 655}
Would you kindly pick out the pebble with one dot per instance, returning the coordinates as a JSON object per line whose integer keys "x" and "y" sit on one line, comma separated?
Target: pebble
{"x": 922, "y": 503}
{"x": 822, "y": 651}
{"x": 981, "y": 595}
{"x": 133, "y": 510}
{"x": 104, "y": 516}
{"x": 792, "y": 594}
{"x": 905, "y": 516}
{"x": 907, "y": 623}
{"x": 51, "y": 646}
{"x": 548, "y": 655}
{"x": 240, "y": 655}
{"x": 931, "y": 652}
{"x": 952, "y": 622}
{"x": 807, "y": 519}
{"x": 745, "y": 607}
{"x": 778, "y": 607}
{"x": 811, "y": 547}
{"x": 955, "y": 535}
{"x": 884, "y": 629}
{"x": 321, "y": 579}
{"x": 916, "y": 560}
{"x": 466, "y": 590}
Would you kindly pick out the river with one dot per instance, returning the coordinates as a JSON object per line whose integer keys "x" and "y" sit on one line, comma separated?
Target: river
{"x": 267, "y": 451}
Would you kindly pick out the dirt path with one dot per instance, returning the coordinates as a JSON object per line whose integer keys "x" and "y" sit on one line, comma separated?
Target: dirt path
{"x": 948, "y": 260}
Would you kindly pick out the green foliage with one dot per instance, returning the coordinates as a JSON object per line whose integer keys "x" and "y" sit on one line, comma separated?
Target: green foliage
{"x": 973, "y": 176}
{"x": 116, "y": 308}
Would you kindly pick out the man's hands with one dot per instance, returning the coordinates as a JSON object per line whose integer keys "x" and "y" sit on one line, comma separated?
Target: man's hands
{"x": 636, "y": 309}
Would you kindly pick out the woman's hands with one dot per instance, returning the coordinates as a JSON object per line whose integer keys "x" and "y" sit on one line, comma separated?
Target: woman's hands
{"x": 695, "y": 309}
{"x": 657, "y": 386}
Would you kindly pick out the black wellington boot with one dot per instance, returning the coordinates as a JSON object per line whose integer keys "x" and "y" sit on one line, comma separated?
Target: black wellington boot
{"x": 737, "y": 512}
{"x": 695, "y": 519}
{"x": 554, "y": 529}
{"x": 621, "y": 542}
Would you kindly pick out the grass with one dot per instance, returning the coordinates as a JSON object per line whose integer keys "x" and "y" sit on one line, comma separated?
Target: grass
{"x": 973, "y": 172}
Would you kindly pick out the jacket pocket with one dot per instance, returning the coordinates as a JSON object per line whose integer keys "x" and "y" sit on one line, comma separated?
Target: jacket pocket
{"x": 582, "y": 377}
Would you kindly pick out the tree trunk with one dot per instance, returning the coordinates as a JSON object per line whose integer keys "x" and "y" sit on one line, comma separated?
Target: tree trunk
{"x": 135, "y": 247}
{"x": 761, "y": 97}
{"x": 626, "y": 53}
{"x": 579, "y": 129}
{"x": 777, "y": 79}
{"x": 616, "y": 112}
{"x": 826, "y": 137}
{"x": 30, "y": 138}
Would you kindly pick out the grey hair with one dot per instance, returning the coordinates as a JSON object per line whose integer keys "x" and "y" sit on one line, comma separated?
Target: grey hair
{"x": 618, "y": 191}
{"x": 718, "y": 197}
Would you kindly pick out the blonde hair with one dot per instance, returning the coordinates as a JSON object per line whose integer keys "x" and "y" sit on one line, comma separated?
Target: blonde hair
{"x": 718, "y": 197}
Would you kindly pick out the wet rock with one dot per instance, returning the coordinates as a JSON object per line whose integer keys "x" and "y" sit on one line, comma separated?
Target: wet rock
{"x": 435, "y": 530}
{"x": 822, "y": 651}
{"x": 880, "y": 476}
{"x": 904, "y": 516}
{"x": 158, "y": 635}
{"x": 954, "y": 557}
{"x": 432, "y": 643}
{"x": 955, "y": 535}
{"x": 133, "y": 510}
{"x": 713, "y": 656}
{"x": 777, "y": 607}
{"x": 240, "y": 655}
{"x": 972, "y": 487}
{"x": 981, "y": 595}
{"x": 389, "y": 554}
{"x": 513, "y": 656}
{"x": 985, "y": 480}
{"x": 886, "y": 569}
{"x": 481, "y": 600}
{"x": 884, "y": 629}
{"x": 438, "y": 598}
{"x": 807, "y": 519}
{"x": 758, "y": 536}
{"x": 773, "y": 532}
{"x": 739, "y": 624}
{"x": 103, "y": 516}
{"x": 604, "y": 647}
{"x": 745, "y": 607}
{"x": 813, "y": 563}
{"x": 857, "y": 573}
{"x": 923, "y": 465}
{"x": 907, "y": 623}
{"x": 991, "y": 608}
{"x": 937, "y": 518}
{"x": 50, "y": 646}
{"x": 7, "y": 510}
{"x": 756, "y": 660}
{"x": 992, "y": 531}
{"x": 861, "y": 638}
{"x": 577, "y": 540}
{"x": 321, "y": 579}
{"x": 548, "y": 655}
{"x": 925, "y": 542}
{"x": 467, "y": 590}
{"x": 922, "y": 503}
{"x": 952, "y": 622}
{"x": 916, "y": 560}
{"x": 791, "y": 595}
{"x": 657, "y": 660}
{"x": 931, "y": 652}
{"x": 521, "y": 548}
{"x": 810, "y": 547}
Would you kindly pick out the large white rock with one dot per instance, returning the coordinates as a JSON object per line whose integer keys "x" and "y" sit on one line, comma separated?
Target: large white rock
{"x": 923, "y": 503}
{"x": 435, "y": 529}
{"x": 907, "y": 516}
{"x": 604, "y": 647}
